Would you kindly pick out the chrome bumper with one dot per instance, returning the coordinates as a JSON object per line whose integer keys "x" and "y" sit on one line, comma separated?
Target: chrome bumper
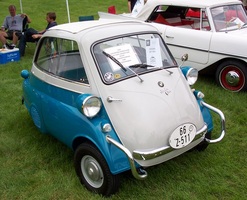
{"x": 148, "y": 155}
{"x": 222, "y": 119}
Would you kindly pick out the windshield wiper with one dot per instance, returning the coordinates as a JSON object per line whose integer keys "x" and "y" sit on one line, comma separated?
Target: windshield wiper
{"x": 135, "y": 73}
{"x": 120, "y": 64}
{"x": 115, "y": 60}
{"x": 141, "y": 65}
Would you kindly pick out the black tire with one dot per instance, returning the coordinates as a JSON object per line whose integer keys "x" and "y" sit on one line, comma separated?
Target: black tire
{"x": 203, "y": 145}
{"x": 232, "y": 75}
{"x": 93, "y": 171}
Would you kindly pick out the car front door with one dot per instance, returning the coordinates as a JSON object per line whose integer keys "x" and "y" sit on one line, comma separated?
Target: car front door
{"x": 194, "y": 42}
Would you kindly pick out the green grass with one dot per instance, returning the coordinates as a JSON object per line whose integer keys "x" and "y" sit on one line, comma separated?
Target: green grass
{"x": 36, "y": 166}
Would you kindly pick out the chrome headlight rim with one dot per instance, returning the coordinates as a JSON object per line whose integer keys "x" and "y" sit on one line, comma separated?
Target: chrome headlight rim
{"x": 191, "y": 76}
{"x": 91, "y": 106}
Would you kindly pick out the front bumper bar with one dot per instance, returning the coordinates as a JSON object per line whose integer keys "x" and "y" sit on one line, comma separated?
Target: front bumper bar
{"x": 222, "y": 119}
{"x": 141, "y": 155}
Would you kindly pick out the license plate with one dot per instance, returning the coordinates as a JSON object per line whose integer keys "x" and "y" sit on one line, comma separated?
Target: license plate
{"x": 182, "y": 136}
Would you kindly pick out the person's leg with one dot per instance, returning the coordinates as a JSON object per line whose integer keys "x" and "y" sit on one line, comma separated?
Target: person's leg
{"x": 22, "y": 44}
{"x": 15, "y": 38}
{"x": 29, "y": 32}
{"x": 24, "y": 38}
{"x": 3, "y": 36}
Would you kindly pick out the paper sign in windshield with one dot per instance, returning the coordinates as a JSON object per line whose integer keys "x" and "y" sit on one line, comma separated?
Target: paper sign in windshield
{"x": 125, "y": 54}
{"x": 153, "y": 53}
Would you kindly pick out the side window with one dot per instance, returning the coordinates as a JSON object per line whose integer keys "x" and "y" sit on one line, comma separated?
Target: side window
{"x": 61, "y": 58}
{"x": 204, "y": 22}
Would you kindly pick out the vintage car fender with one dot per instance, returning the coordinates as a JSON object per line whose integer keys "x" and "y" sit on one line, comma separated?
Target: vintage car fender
{"x": 31, "y": 99}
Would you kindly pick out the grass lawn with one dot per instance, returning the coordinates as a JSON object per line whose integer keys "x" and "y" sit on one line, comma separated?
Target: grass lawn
{"x": 36, "y": 166}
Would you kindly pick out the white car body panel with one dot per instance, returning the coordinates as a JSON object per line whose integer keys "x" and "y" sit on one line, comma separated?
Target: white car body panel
{"x": 155, "y": 133}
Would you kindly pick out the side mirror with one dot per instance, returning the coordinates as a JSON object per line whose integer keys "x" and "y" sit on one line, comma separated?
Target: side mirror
{"x": 185, "y": 57}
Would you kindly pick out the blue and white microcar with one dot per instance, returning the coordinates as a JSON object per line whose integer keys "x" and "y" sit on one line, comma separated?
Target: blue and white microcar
{"x": 114, "y": 94}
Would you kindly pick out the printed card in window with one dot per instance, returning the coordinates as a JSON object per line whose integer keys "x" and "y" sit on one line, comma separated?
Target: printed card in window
{"x": 125, "y": 54}
{"x": 153, "y": 52}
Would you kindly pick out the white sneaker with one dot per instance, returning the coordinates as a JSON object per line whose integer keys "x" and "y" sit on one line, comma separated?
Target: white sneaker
{"x": 12, "y": 46}
{"x": 5, "y": 47}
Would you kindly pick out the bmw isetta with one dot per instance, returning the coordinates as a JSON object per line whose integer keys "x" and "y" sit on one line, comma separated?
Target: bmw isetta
{"x": 114, "y": 94}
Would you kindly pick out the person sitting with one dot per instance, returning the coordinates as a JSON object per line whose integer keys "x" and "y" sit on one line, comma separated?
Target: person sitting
{"x": 14, "y": 25}
{"x": 32, "y": 35}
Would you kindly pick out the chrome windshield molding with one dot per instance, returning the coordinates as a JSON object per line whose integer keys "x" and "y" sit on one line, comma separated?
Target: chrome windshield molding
{"x": 130, "y": 158}
{"x": 148, "y": 155}
{"x": 222, "y": 120}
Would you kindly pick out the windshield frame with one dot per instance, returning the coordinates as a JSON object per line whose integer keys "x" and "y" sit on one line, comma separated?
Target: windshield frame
{"x": 108, "y": 77}
{"x": 228, "y": 17}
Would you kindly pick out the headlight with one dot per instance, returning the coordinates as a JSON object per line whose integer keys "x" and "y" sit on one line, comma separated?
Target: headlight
{"x": 190, "y": 74}
{"x": 91, "y": 106}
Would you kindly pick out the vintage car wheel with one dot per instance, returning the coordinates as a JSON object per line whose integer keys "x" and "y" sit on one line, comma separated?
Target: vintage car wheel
{"x": 93, "y": 171}
{"x": 232, "y": 75}
{"x": 203, "y": 145}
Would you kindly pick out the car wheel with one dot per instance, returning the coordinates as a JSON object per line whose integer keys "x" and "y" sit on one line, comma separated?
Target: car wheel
{"x": 93, "y": 171}
{"x": 232, "y": 75}
{"x": 203, "y": 145}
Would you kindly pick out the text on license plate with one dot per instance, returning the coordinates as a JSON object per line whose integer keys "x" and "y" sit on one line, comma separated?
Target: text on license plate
{"x": 182, "y": 136}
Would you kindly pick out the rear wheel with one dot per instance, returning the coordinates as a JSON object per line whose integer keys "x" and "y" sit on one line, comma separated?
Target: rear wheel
{"x": 232, "y": 75}
{"x": 93, "y": 171}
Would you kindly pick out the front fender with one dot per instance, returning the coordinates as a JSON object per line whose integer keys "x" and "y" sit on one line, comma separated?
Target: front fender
{"x": 116, "y": 159}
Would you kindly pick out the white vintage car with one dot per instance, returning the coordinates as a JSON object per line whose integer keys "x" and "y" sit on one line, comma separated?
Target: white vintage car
{"x": 213, "y": 33}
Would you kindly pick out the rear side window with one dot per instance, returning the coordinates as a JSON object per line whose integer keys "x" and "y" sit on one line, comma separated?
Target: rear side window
{"x": 61, "y": 57}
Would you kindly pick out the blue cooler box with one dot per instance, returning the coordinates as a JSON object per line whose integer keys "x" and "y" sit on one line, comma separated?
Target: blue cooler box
{"x": 7, "y": 55}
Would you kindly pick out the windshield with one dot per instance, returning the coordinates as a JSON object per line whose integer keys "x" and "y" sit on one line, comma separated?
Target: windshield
{"x": 129, "y": 56}
{"x": 227, "y": 18}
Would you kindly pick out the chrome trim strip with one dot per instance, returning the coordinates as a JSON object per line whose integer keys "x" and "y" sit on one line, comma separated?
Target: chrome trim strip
{"x": 222, "y": 119}
{"x": 207, "y": 51}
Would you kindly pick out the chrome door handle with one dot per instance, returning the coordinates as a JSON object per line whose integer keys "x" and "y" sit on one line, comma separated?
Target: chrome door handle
{"x": 167, "y": 36}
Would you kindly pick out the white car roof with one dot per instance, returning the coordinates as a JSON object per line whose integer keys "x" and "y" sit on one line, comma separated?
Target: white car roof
{"x": 98, "y": 29}
{"x": 194, "y": 3}
{"x": 76, "y": 27}
{"x": 152, "y": 4}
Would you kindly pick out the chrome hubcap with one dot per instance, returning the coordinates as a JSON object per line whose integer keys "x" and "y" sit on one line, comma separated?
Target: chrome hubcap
{"x": 232, "y": 78}
{"x": 92, "y": 171}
